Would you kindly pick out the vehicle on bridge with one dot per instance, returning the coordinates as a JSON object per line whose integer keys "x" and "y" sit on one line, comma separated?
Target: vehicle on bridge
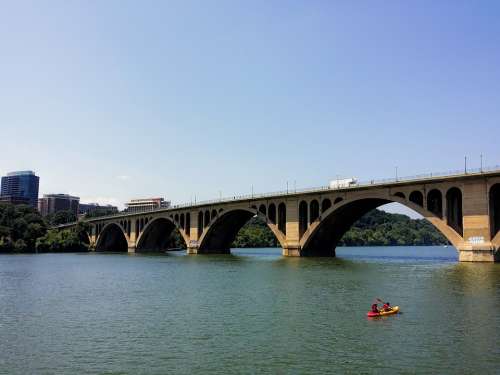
{"x": 343, "y": 183}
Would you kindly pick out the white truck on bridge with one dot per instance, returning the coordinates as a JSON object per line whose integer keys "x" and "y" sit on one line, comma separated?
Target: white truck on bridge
{"x": 343, "y": 183}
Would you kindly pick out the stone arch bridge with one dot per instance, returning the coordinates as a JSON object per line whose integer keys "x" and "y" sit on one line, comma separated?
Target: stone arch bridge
{"x": 465, "y": 208}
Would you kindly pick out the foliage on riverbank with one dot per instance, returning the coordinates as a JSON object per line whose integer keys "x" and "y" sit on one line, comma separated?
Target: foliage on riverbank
{"x": 23, "y": 229}
{"x": 380, "y": 228}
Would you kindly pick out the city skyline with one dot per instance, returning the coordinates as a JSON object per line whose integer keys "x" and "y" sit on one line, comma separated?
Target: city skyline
{"x": 212, "y": 101}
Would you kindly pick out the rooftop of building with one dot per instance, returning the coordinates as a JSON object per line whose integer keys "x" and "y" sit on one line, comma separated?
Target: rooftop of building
{"x": 65, "y": 196}
{"x": 21, "y": 173}
{"x": 145, "y": 200}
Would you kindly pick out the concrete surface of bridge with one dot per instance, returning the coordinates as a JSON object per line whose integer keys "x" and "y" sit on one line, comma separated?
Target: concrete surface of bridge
{"x": 464, "y": 207}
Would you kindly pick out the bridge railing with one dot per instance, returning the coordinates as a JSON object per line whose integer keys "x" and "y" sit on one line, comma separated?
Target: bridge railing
{"x": 374, "y": 182}
{"x": 384, "y": 181}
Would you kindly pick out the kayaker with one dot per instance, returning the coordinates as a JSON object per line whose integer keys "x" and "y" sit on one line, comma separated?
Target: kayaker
{"x": 375, "y": 308}
{"x": 387, "y": 307}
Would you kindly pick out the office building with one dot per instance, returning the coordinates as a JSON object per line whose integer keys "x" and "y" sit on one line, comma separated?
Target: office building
{"x": 52, "y": 203}
{"x": 96, "y": 208}
{"x": 146, "y": 204}
{"x": 20, "y": 187}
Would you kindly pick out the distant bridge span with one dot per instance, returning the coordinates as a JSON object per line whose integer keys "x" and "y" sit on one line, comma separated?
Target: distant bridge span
{"x": 464, "y": 207}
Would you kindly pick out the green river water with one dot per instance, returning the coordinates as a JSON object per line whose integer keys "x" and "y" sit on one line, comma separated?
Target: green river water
{"x": 251, "y": 312}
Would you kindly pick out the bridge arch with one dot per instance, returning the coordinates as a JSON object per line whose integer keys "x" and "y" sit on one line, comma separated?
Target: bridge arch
{"x": 400, "y": 195}
{"x": 313, "y": 211}
{"x": 221, "y": 233}
{"x": 325, "y": 205}
{"x": 303, "y": 220}
{"x": 282, "y": 217}
{"x": 271, "y": 213}
{"x": 206, "y": 221}
{"x": 157, "y": 234}
{"x": 262, "y": 209}
{"x": 435, "y": 202}
{"x": 112, "y": 238}
{"x": 322, "y": 236}
{"x": 417, "y": 197}
{"x": 454, "y": 216}
{"x": 494, "y": 202}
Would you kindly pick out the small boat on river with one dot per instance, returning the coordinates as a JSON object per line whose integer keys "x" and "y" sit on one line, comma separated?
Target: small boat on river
{"x": 393, "y": 310}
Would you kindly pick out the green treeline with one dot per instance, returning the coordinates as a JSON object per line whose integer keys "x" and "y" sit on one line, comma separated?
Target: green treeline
{"x": 377, "y": 228}
{"x": 380, "y": 228}
{"x": 23, "y": 229}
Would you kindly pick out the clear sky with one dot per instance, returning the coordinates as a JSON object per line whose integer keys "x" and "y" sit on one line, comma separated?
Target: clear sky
{"x": 112, "y": 100}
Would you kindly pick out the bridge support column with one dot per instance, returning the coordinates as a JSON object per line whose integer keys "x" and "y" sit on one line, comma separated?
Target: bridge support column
{"x": 131, "y": 243}
{"x": 477, "y": 246}
{"x": 292, "y": 242}
{"x": 478, "y": 254}
{"x": 92, "y": 238}
{"x": 192, "y": 246}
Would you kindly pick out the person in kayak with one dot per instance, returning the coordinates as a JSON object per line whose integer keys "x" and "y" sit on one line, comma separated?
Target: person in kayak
{"x": 387, "y": 307}
{"x": 375, "y": 308}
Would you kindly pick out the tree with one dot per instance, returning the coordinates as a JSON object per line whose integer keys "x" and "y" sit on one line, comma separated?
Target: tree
{"x": 62, "y": 217}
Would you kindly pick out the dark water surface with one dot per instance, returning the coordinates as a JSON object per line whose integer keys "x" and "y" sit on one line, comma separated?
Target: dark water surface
{"x": 250, "y": 312}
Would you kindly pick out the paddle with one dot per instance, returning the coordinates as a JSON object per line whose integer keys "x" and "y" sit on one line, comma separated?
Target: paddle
{"x": 379, "y": 300}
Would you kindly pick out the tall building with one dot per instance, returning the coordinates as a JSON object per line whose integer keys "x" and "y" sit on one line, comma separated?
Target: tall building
{"x": 52, "y": 203}
{"x": 20, "y": 187}
{"x": 146, "y": 204}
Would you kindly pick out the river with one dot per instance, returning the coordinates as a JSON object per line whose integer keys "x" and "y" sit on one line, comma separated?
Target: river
{"x": 253, "y": 311}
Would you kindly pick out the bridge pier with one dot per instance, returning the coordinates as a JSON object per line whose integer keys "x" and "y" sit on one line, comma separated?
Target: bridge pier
{"x": 478, "y": 254}
{"x": 291, "y": 251}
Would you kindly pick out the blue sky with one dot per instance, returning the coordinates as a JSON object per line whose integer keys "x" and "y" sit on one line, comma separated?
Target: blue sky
{"x": 121, "y": 99}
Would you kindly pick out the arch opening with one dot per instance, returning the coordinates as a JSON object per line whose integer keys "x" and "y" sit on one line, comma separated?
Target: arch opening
{"x": 237, "y": 228}
{"x": 400, "y": 195}
{"x": 282, "y": 217}
{"x": 188, "y": 223}
{"x": 160, "y": 235}
{"x": 494, "y": 198}
{"x": 325, "y": 204}
{"x": 262, "y": 209}
{"x": 454, "y": 216}
{"x": 435, "y": 202}
{"x": 323, "y": 239}
{"x": 272, "y": 213}
{"x": 206, "y": 220}
{"x": 112, "y": 239}
{"x": 314, "y": 211}
{"x": 337, "y": 200}
{"x": 417, "y": 197}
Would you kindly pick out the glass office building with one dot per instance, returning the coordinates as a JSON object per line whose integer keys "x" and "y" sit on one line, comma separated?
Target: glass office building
{"x": 21, "y": 186}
